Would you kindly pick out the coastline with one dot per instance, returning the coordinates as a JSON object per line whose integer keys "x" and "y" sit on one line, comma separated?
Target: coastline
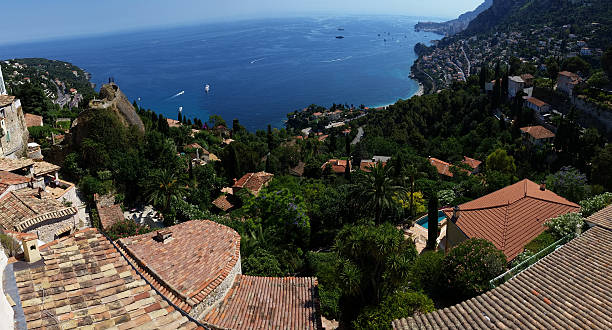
{"x": 419, "y": 92}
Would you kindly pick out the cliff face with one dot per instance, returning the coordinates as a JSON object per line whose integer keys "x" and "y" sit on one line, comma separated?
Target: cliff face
{"x": 455, "y": 26}
{"x": 114, "y": 100}
{"x": 499, "y": 11}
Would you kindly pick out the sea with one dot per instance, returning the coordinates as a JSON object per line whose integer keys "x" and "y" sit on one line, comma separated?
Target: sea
{"x": 257, "y": 70}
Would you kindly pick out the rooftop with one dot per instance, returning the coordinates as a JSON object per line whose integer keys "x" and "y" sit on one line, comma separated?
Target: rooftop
{"x": 511, "y": 217}
{"x": 42, "y": 168}
{"x": 268, "y": 303}
{"x": 24, "y": 208}
{"x": 338, "y": 166}
{"x": 569, "y": 288}
{"x": 442, "y": 166}
{"x": 222, "y": 203}
{"x": 192, "y": 264}
{"x": 253, "y": 181}
{"x": 537, "y": 102}
{"x": 6, "y": 100}
{"x": 9, "y": 164}
{"x": 33, "y": 120}
{"x": 109, "y": 215}
{"x": 538, "y": 132}
{"x": 83, "y": 281}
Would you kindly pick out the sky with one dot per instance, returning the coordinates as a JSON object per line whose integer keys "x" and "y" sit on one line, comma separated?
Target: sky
{"x": 44, "y": 19}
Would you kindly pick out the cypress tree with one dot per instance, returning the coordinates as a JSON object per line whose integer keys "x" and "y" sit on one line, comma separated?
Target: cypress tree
{"x": 432, "y": 220}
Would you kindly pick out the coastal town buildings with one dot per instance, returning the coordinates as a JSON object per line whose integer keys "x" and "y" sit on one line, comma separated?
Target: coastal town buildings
{"x": 337, "y": 166}
{"x": 539, "y": 106}
{"x": 566, "y": 82}
{"x": 509, "y": 218}
{"x": 537, "y": 135}
{"x": 253, "y": 182}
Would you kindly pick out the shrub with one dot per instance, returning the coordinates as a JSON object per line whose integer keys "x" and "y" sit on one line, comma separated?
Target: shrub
{"x": 323, "y": 266}
{"x": 127, "y": 228}
{"x": 398, "y": 305}
{"x": 446, "y": 197}
{"x": 261, "y": 263}
{"x": 566, "y": 224}
{"x": 595, "y": 203}
{"x": 10, "y": 245}
{"x": 426, "y": 273}
{"x": 468, "y": 268}
{"x": 568, "y": 182}
{"x": 542, "y": 241}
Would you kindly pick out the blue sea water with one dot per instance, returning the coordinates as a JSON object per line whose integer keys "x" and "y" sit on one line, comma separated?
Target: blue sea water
{"x": 258, "y": 70}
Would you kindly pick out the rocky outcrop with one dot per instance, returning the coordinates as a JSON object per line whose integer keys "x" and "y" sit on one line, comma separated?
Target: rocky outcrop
{"x": 111, "y": 98}
{"x": 455, "y": 26}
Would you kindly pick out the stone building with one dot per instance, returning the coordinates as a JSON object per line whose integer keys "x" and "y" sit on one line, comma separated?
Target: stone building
{"x": 13, "y": 130}
{"x": 36, "y": 211}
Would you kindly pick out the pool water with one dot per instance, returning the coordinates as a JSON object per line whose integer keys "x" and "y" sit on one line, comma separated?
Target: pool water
{"x": 424, "y": 221}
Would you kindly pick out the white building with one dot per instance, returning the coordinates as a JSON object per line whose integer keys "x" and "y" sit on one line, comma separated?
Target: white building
{"x": 515, "y": 85}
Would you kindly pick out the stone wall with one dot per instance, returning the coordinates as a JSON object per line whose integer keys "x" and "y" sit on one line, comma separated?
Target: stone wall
{"x": 15, "y": 140}
{"x": 218, "y": 294}
{"x": 592, "y": 116}
{"x": 46, "y": 230}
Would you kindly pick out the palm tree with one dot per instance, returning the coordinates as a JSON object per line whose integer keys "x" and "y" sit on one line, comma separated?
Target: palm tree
{"x": 376, "y": 190}
{"x": 162, "y": 187}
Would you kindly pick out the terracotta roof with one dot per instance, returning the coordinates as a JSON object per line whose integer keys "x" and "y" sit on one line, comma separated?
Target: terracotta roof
{"x": 568, "y": 74}
{"x": 187, "y": 277}
{"x": 222, "y": 203}
{"x": 9, "y": 178}
{"x": 83, "y": 281}
{"x": 42, "y": 168}
{"x": 442, "y": 166}
{"x": 24, "y": 208}
{"x": 9, "y": 164}
{"x": 338, "y": 166}
{"x": 511, "y": 217}
{"x": 568, "y": 289}
{"x": 253, "y": 181}
{"x": 538, "y": 132}
{"x": 526, "y": 76}
{"x": 193, "y": 146}
{"x": 536, "y": 102}
{"x": 33, "y": 120}
{"x": 268, "y": 303}
{"x": 366, "y": 165}
{"x": 471, "y": 162}
{"x": 6, "y": 100}
{"x": 602, "y": 218}
{"x": 109, "y": 215}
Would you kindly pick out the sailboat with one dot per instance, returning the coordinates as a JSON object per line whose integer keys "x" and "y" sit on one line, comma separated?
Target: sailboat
{"x": 207, "y": 88}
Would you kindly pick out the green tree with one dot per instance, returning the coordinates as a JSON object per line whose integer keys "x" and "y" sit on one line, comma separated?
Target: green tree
{"x": 396, "y": 306}
{"x": 469, "y": 267}
{"x": 432, "y": 220}
{"x": 162, "y": 187}
{"x": 374, "y": 261}
{"x": 261, "y": 263}
{"x": 426, "y": 274}
{"x": 500, "y": 161}
{"x": 606, "y": 62}
{"x": 568, "y": 182}
{"x": 602, "y": 163}
{"x": 376, "y": 190}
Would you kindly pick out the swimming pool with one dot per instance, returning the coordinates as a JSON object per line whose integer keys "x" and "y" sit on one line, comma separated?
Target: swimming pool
{"x": 424, "y": 221}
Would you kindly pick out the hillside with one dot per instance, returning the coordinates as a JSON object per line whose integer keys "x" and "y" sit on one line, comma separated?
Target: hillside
{"x": 453, "y": 26}
{"x": 580, "y": 17}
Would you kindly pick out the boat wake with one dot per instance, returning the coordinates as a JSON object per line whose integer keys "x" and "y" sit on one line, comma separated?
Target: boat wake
{"x": 257, "y": 60}
{"x": 338, "y": 59}
{"x": 176, "y": 95}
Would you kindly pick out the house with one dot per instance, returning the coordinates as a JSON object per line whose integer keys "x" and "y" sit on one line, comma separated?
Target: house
{"x": 173, "y": 123}
{"x": 253, "y": 182}
{"x": 13, "y": 130}
{"x": 33, "y": 120}
{"x": 539, "y": 106}
{"x": 84, "y": 281}
{"x": 516, "y": 84}
{"x": 199, "y": 154}
{"x": 510, "y": 217}
{"x": 474, "y": 164}
{"x": 10, "y": 182}
{"x": 20, "y": 166}
{"x": 337, "y": 166}
{"x": 568, "y": 289}
{"x": 442, "y": 167}
{"x": 566, "y": 81}
{"x": 537, "y": 135}
{"x": 36, "y": 211}
{"x": 196, "y": 265}
{"x": 585, "y": 51}
{"x": 366, "y": 164}
{"x": 298, "y": 170}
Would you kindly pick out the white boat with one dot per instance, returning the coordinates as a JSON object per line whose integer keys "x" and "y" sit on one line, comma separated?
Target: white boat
{"x": 207, "y": 88}
{"x": 180, "y": 109}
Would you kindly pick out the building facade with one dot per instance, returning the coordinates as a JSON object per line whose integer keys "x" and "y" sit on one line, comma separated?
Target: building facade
{"x": 13, "y": 130}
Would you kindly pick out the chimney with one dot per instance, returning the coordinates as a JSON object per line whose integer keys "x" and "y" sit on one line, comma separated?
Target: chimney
{"x": 543, "y": 187}
{"x": 455, "y": 213}
{"x": 164, "y": 236}
{"x": 40, "y": 192}
{"x": 30, "y": 249}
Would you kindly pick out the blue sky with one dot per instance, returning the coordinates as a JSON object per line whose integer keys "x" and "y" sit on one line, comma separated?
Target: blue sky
{"x": 43, "y": 19}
